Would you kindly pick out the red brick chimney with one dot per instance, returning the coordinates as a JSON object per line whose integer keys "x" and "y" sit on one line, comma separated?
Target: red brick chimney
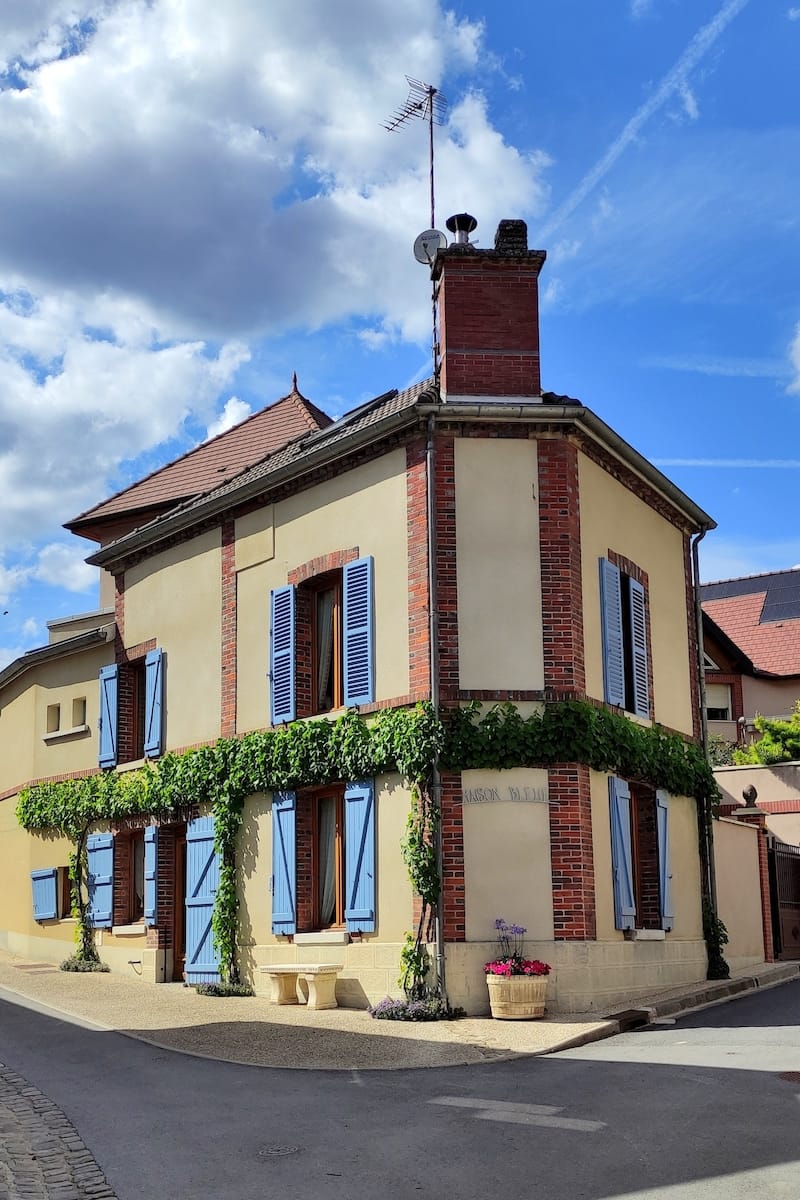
{"x": 489, "y": 315}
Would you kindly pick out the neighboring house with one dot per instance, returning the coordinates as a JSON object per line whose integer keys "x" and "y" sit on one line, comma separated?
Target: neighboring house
{"x": 751, "y": 632}
{"x": 467, "y": 539}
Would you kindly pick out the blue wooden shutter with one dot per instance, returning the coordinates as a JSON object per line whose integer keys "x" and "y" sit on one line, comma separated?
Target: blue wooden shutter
{"x": 284, "y": 870}
{"x": 107, "y": 721}
{"x": 100, "y": 879}
{"x": 45, "y": 894}
{"x": 202, "y": 881}
{"x": 622, "y": 853}
{"x": 611, "y": 625}
{"x": 359, "y": 633}
{"x": 150, "y": 874}
{"x": 359, "y": 856}
{"x": 638, "y": 625}
{"x": 664, "y": 874}
{"x": 282, "y": 655}
{"x": 154, "y": 706}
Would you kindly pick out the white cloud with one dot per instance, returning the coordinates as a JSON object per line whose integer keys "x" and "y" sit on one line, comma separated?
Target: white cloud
{"x": 9, "y": 653}
{"x": 793, "y": 14}
{"x": 233, "y": 413}
{"x": 640, "y": 8}
{"x": 673, "y": 81}
{"x": 730, "y": 558}
{"x": 690, "y": 106}
{"x": 62, "y": 566}
{"x": 794, "y": 358}
{"x": 31, "y": 628}
{"x": 11, "y": 578}
{"x": 724, "y": 365}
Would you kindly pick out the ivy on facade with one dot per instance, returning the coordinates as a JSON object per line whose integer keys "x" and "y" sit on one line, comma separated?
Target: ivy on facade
{"x": 411, "y": 742}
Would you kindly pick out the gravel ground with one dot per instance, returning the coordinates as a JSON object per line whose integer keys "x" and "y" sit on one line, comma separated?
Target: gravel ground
{"x": 251, "y": 1030}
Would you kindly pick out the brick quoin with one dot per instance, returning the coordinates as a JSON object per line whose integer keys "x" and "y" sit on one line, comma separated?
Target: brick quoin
{"x": 562, "y": 578}
{"x": 571, "y": 853}
{"x": 446, "y": 571}
{"x": 453, "y": 903}
{"x": 419, "y": 647}
{"x": 228, "y": 675}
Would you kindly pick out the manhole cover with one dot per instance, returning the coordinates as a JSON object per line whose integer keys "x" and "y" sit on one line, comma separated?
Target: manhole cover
{"x": 790, "y": 1076}
{"x": 277, "y": 1151}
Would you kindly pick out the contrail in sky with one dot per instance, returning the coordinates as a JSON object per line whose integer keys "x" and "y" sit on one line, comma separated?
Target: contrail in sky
{"x": 671, "y": 83}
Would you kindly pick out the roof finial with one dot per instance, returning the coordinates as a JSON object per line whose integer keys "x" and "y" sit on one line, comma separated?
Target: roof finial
{"x": 294, "y": 381}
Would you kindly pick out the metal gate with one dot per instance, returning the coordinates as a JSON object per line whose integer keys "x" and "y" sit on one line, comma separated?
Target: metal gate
{"x": 784, "y": 881}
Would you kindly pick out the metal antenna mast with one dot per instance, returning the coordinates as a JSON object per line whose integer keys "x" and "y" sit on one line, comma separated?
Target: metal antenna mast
{"x": 427, "y": 103}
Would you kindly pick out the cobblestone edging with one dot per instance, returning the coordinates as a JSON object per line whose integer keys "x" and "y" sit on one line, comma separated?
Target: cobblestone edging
{"x": 41, "y": 1155}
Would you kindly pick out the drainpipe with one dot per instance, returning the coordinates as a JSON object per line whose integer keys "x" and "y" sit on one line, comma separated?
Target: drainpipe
{"x": 707, "y": 832}
{"x": 433, "y": 636}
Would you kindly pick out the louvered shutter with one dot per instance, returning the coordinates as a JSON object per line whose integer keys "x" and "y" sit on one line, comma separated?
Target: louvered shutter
{"x": 622, "y": 853}
{"x": 284, "y": 871}
{"x": 154, "y": 706}
{"x": 359, "y": 637}
{"x": 282, "y": 655}
{"x": 202, "y": 881}
{"x": 611, "y": 625}
{"x": 151, "y": 874}
{"x": 359, "y": 856}
{"x": 100, "y": 879}
{"x": 638, "y": 618}
{"x": 664, "y": 873}
{"x": 45, "y": 894}
{"x": 107, "y": 721}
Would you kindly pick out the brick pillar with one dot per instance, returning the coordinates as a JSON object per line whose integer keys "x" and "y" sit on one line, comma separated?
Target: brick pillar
{"x": 419, "y": 654}
{"x": 571, "y": 853}
{"x": 751, "y": 815}
{"x": 161, "y": 936}
{"x": 304, "y": 857}
{"x": 229, "y": 664}
{"x": 446, "y": 571}
{"x": 453, "y": 895}
{"x": 560, "y": 553}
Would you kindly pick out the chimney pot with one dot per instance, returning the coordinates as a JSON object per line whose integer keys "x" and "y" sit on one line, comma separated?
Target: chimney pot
{"x": 462, "y": 225}
{"x": 511, "y": 237}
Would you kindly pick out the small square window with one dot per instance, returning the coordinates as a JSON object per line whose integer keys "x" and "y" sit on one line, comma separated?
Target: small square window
{"x": 53, "y": 718}
{"x": 64, "y": 892}
{"x": 78, "y": 712}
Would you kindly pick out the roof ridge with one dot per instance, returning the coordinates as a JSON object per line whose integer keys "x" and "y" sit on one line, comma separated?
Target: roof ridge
{"x": 743, "y": 578}
{"x": 307, "y": 406}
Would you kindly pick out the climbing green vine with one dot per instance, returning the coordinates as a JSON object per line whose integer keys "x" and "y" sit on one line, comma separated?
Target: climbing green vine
{"x": 411, "y": 741}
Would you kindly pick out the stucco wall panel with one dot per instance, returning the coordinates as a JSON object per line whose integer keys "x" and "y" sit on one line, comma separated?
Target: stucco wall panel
{"x": 614, "y": 518}
{"x": 739, "y": 891}
{"x": 499, "y": 577}
{"x": 507, "y": 852}
{"x": 175, "y": 597}
{"x": 363, "y": 508}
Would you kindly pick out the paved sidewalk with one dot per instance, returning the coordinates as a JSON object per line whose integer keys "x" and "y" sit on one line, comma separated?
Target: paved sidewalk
{"x": 250, "y": 1030}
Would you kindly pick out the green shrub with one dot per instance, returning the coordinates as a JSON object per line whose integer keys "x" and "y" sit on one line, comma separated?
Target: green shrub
{"x": 224, "y": 989}
{"x": 83, "y": 965}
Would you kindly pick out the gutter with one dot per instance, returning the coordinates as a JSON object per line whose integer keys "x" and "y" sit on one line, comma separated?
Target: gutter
{"x": 704, "y": 818}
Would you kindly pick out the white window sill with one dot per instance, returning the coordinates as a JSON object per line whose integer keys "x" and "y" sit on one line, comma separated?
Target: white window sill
{"x": 647, "y": 935}
{"x": 58, "y": 734}
{"x": 128, "y": 930}
{"x": 325, "y": 937}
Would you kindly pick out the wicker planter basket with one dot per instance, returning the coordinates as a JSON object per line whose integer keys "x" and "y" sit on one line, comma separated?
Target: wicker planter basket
{"x": 517, "y": 997}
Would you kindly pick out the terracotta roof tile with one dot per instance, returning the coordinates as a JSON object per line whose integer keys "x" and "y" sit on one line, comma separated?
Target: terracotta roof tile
{"x": 773, "y": 647}
{"x": 216, "y": 461}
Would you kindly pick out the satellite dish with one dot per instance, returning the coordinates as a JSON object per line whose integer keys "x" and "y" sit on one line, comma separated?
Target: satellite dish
{"x": 427, "y": 244}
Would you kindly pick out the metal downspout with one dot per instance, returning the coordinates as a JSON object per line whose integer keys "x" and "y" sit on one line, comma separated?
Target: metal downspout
{"x": 433, "y": 637}
{"x": 707, "y": 836}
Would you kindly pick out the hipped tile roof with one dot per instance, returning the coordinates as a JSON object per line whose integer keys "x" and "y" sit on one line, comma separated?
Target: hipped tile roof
{"x": 761, "y": 615}
{"x": 215, "y": 461}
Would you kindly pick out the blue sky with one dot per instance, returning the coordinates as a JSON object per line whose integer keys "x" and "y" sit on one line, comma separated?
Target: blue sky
{"x": 196, "y": 200}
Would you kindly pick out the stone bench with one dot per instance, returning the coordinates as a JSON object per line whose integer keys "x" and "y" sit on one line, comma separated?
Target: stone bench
{"x": 319, "y": 977}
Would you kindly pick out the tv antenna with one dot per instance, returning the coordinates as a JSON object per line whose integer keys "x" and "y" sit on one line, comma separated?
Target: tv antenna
{"x": 428, "y": 104}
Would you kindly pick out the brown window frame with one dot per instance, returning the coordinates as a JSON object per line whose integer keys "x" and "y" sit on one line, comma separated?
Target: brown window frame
{"x": 135, "y": 911}
{"x": 644, "y": 856}
{"x": 65, "y": 893}
{"x": 337, "y": 793}
{"x": 330, "y": 581}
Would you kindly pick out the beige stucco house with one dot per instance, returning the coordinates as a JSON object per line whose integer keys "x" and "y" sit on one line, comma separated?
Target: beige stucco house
{"x": 469, "y": 540}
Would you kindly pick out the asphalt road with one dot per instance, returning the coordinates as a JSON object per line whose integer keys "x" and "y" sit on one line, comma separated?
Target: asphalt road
{"x": 707, "y": 1107}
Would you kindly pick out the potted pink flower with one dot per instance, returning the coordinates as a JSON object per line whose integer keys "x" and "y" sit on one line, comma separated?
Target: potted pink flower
{"x": 517, "y": 985}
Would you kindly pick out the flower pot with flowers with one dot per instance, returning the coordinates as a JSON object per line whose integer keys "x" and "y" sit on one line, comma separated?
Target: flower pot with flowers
{"x": 517, "y": 985}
